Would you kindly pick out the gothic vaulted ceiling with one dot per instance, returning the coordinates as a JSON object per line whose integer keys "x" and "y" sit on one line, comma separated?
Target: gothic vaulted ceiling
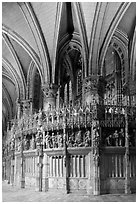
{"x": 34, "y": 33}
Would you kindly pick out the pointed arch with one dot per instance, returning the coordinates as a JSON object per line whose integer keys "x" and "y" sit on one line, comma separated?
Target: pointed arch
{"x": 29, "y": 80}
{"x": 56, "y": 36}
{"x": 99, "y": 14}
{"x": 34, "y": 25}
{"x": 8, "y": 100}
{"x": 15, "y": 56}
{"x": 113, "y": 26}
{"x": 25, "y": 45}
{"x": 15, "y": 76}
{"x": 83, "y": 35}
{"x": 133, "y": 57}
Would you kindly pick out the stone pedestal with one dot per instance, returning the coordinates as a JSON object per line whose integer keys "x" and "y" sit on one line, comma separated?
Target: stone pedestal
{"x": 50, "y": 93}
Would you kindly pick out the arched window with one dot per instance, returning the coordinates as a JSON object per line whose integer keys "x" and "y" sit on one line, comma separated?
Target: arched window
{"x": 79, "y": 82}
{"x": 68, "y": 92}
{"x": 114, "y": 78}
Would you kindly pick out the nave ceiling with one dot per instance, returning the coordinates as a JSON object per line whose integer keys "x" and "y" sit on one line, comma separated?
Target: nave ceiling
{"x": 38, "y": 35}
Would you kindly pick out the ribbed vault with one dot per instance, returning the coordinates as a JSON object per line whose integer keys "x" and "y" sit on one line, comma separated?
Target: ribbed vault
{"x": 49, "y": 37}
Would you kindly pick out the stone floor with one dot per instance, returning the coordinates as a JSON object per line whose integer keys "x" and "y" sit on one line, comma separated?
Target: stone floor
{"x": 15, "y": 194}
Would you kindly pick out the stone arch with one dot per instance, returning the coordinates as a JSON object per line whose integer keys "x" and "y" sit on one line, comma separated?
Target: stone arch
{"x": 64, "y": 50}
{"x": 16, "y": 78}
{"x": 69, "y": 56}
{"x": 133, "y": 58}
{"x": 119, "y": 43}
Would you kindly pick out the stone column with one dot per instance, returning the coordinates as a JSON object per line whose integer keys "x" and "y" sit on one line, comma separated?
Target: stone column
{"x": 93, "y": 93}
{"x": 39, "y": 147}
{"x": 22, "y": 165}
{"x": 45, "y": 172}
{"x": 50, "y": 93}
{"x": 12, "y": 159}
{"x": 96, "y": 157}
{"x": 18, "y": 109}
{"x": 8, "y": 164}
{"x": 127, "y": 155}
{"x": 12, "y": 167}
{"x": 66, "y": 159}
{"x": 9, "y": 169}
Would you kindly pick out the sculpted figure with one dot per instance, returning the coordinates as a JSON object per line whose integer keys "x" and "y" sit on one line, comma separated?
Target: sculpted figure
{"x": 39, "y": 138}
{"x": 54, "y": 141}
{"x": 108, "y": 140}
{"x": 25, "y": 143}
{"x": 48, "y": 140}
{"x": 121, "y": 139}
{"x": 69, "y": 142}
{"x": 33, "y": 143}
{"x": 96, "y": 139}
{"x": 87, "y": 138}
{"x": 116, "y": 137}
{"x": 12, "y": 143}
{"x": 19, "y": 145}
{"x": 78, "y": 141}
{"x": 60, "y": 141}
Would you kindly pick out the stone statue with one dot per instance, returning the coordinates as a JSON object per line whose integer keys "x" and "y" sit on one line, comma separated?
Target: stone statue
{"x": 33, "y": 143}
{"x": 78, "y": 141}
{"x": 54, "y": 141}
{"x": 69, "y": 142}
{"x": 26, "y": 144}
{"x": 108, "y": 140}
{"x": 87, "y": 139}
{"x": 13, "y": 143}
{"x": 116, "y": 137}
{"x": 60, "y": 141}
{"x": 48, "y": 140}
{"x": 19, "y": 145}
{"x": 39, "y": 117}
{"x": 121, "y": 138}
{"x": 39, "y": 138}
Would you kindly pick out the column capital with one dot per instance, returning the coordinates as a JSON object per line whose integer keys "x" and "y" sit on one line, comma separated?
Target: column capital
{"x": 50, "y": 90}
{"x": 93, "y": 83}
{"x": 93, "y": 89}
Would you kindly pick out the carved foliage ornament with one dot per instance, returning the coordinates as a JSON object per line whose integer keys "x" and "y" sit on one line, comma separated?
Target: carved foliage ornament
{"x": 93, "y": 83}
{"x": 50, "y": 90}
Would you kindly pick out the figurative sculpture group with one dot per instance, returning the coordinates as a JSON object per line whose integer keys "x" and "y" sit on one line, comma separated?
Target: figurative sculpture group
{"x": 56, "y": 140}
{"x": 78, "y": 140}
{"x": 116, "y": 139}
